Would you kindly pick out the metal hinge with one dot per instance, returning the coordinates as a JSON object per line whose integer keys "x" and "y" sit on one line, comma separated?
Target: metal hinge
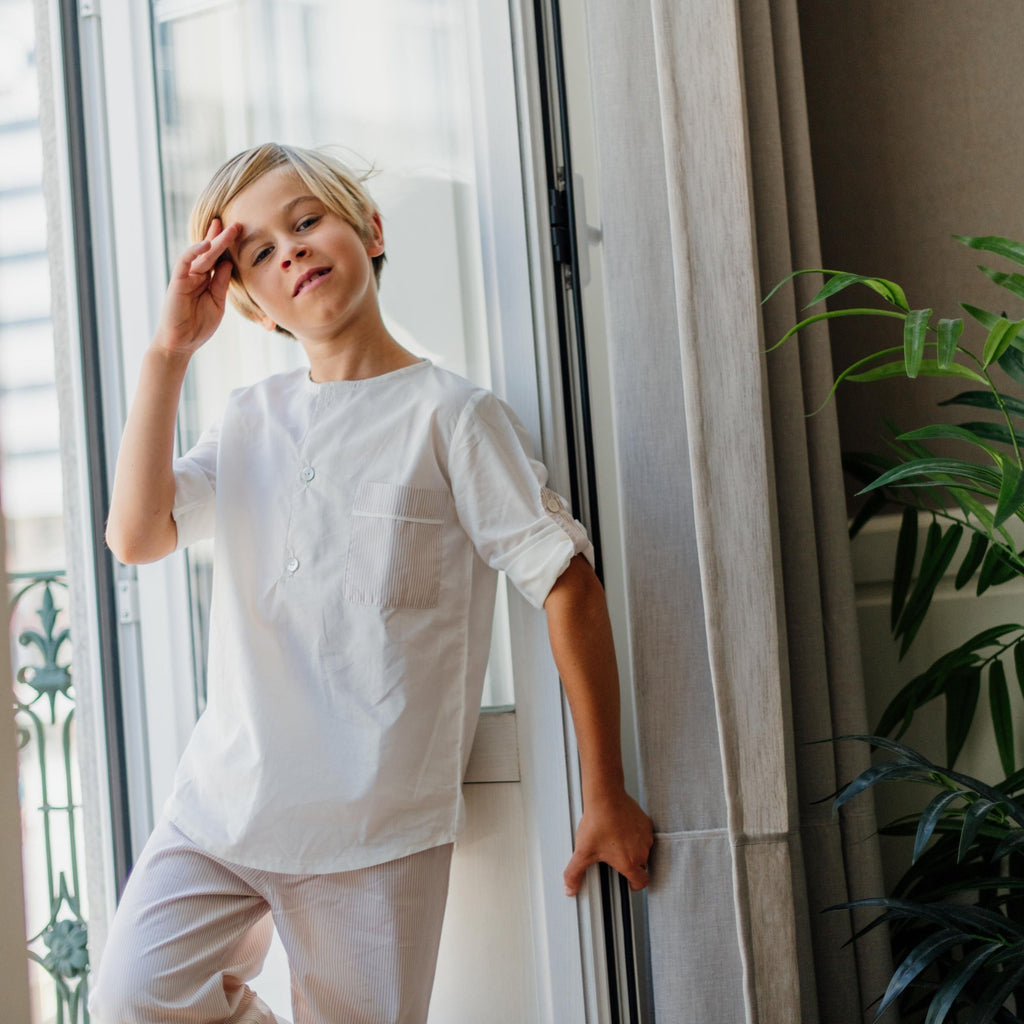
{"x": 88, "y": 8}
{"x": 558, "y": 209}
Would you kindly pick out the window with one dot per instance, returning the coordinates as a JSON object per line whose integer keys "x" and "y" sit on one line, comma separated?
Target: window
{"x": 388, "y": 86}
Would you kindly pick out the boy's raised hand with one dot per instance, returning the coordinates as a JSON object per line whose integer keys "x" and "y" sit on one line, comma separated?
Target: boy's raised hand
{"x": 194, "y": 303}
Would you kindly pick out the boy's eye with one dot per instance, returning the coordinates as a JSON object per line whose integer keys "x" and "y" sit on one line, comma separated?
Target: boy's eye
{"x": 261, "y": 255}
{"x": 307, "y": 222}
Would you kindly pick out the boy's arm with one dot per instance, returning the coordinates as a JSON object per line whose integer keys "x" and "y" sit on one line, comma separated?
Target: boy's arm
{"x": 613, "y": 828}
{"x": 140, "y": 527}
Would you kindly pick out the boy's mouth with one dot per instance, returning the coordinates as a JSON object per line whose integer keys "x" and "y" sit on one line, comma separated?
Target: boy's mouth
{"x": 309, "y": 278}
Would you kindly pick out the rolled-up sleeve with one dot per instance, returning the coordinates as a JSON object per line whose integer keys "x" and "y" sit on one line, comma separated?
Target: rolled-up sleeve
{"x": 195, "y": 490}
{"x": 516, "y": 523}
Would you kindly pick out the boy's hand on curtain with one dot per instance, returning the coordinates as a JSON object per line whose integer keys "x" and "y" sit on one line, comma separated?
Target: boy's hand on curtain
{"x": 613, "y": 831}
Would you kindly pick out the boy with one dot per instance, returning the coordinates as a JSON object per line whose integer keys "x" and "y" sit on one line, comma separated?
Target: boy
{"x": 360, "y": 510}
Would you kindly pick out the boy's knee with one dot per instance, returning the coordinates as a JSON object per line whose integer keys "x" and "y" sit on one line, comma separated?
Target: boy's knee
{"x": 113, "y": 1001}
{"x": 126, "y": 992}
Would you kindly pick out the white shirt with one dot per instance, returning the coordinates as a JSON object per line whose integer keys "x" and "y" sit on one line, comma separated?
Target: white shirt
{"x": 358, "y": 528}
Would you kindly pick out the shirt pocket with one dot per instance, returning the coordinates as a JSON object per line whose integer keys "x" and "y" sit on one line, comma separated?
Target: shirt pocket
{"x": 394, "y": 554}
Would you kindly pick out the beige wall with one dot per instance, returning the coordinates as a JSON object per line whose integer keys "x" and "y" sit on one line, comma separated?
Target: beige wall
{"x": 916, "y": 134}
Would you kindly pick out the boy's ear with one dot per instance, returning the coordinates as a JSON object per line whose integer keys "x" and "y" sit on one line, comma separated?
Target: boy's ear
{"x": 375, "y": 247}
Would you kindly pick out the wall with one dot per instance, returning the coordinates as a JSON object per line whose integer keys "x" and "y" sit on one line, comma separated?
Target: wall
{"x": 916, "y": 135}
{"x": 955, "y": 616}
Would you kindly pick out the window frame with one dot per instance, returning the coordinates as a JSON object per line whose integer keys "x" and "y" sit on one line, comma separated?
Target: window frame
{"x": 154, "y": 631}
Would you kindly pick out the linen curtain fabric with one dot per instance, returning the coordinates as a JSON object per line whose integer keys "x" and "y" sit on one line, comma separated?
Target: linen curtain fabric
{"x": 743, "y": 629}
{"x": 824, "y": 654}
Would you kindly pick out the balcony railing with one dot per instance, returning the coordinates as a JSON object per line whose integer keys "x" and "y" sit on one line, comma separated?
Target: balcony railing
{"x": 44, "y": 714}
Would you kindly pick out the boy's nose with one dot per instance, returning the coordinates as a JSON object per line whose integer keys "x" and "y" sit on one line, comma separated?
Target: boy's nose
{"x": 296, "y": 255}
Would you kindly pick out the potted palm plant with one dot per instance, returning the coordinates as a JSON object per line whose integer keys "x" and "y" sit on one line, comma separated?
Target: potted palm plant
{"x": 957, "y": 913}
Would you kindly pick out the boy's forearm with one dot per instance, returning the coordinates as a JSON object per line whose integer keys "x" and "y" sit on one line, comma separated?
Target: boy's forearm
{"x": 140, "y": 527}
{"x": 613, "y": 828}
{"x": 581, "y": 642}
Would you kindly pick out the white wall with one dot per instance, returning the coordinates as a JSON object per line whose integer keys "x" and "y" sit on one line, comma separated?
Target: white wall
{"x": 954, "y": 617}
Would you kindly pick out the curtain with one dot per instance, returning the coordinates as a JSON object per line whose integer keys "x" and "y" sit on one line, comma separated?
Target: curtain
{"x": 743, "y": 632}
{"x": 824, "y": 655}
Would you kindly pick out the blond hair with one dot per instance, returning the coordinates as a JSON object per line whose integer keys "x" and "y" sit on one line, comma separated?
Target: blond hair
{"x": 326, "y": 177}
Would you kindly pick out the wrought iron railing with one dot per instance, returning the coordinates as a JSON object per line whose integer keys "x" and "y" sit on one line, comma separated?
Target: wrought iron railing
{"x": 44, "y": 713}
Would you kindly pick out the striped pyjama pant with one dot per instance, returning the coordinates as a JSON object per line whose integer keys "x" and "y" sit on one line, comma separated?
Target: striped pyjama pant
{"x": 191, "y": 930}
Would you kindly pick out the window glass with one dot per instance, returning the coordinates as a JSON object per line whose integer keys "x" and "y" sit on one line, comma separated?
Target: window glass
{"x": 388, "y": 85}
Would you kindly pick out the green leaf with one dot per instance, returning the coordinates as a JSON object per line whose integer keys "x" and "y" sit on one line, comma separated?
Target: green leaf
{"x": 1002, "y": 717}
{"x": 1011, "y": 492}
{"x": 1011, "y": 282}
{"x": 996, "y": 994}
{"x": 928, "y": 368}
{"x": 934, "y": 564}
{"x": 871, "y": 508}
{"x": 909, "y": 754}
{"x": 915, "y": 329}
{"x": 995, "y": 569}
{"x": 1012, "y": 364}
{"x": 949, "y": 332}
{"x": 1000, "y": 335}
{"x": 975, "y": 817}
{"x": 790, "y": 277}
{"x": 947, "y": 432}
{"x": 903, "y": 570}
{"x": 832, "y": 315}
{"x": 930, "y": 818}
{"x": 871, "y": 777}
{"x": 920, "y": 957}
{"x": 900, "y": 710}
{"x": 973, "y": 920}
{"x": 994, "y": 432}
{"x": 953, "y": 984}
{"x": 932, "y": 540}
{"x": 987, "y": 400}
{"x": 969, "y": 566}
{"x": 995, "y": 244}
{"x": 971, "y": 507}
{"x": 987, "y": 319}
{"x": 889, "y": 290}
{"x": 961, "y": 702}
{"x": 934, "y": 469}
{"x": 986, "y": 638}
{"x": 1011, "y": 844}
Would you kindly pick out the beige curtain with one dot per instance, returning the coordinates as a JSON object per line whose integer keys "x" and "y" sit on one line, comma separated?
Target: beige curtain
{"x": 824, "y": 655}
{"x": 741, "y": 602}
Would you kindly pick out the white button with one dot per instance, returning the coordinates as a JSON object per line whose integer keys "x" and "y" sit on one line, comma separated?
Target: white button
{"x": 553, "y": 504}
{"x": 292, "y": 564}
{"x": 308, "y": 473}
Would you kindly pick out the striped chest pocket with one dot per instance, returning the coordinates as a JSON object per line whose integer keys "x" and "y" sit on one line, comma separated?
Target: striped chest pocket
{"x": 394, "y": 553}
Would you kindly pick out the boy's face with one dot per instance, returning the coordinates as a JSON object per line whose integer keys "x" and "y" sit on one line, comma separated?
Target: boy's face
{"x": 304, "y": 266}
